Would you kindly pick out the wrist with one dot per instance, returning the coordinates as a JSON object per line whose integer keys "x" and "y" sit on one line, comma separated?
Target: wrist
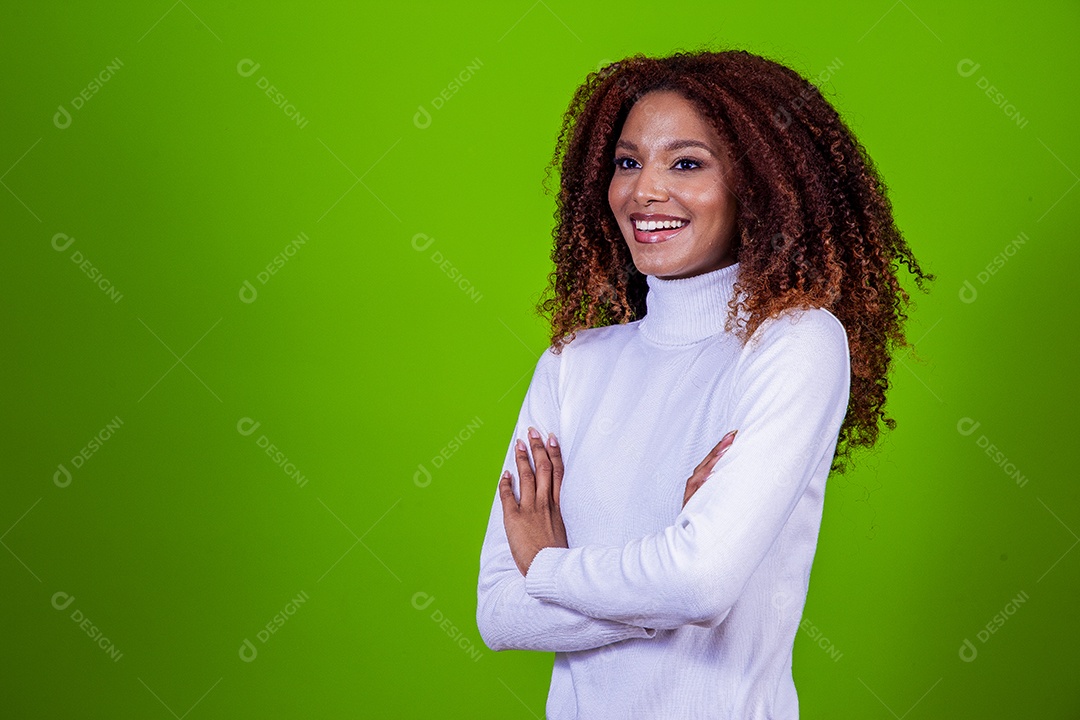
{"x": 540, "y": 579}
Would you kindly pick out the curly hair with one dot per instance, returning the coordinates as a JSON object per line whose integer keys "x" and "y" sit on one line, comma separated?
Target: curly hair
{"x": 814, "y": 225}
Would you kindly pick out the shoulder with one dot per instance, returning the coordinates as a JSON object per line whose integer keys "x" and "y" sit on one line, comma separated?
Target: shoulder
{"x": 589, "y": 349}
{"x": 600, "y": 340}
{"x": 801, "y": 327}
{"x": 799, "y": 341}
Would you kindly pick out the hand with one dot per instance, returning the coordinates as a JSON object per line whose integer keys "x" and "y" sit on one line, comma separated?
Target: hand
{"x": 701, "y": 472}
{"x": 535, "y": 522}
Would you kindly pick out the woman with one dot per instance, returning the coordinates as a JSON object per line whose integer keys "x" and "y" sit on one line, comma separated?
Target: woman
{"x": 726, "y": 265}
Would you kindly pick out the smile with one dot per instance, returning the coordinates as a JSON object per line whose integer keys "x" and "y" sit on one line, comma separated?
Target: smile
{"x": 656, "y": 232}
{"x": 661, "y": 225}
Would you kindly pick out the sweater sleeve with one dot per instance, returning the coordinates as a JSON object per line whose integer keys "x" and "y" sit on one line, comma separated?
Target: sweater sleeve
{"x": 790, "y": 397}
{"x": 507, "y": 617}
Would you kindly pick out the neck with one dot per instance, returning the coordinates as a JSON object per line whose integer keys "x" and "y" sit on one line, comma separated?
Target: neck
{"x": 687, "y": 310}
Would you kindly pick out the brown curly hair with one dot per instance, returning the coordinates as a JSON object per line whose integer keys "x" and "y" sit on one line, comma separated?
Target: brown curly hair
{"x": 814, "y": 224}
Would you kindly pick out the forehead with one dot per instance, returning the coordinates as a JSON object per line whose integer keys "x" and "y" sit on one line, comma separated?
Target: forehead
{"x": 665, "y": 114}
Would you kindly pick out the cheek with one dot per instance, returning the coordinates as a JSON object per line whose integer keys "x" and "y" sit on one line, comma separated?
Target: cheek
{"x": 616, "y": 194}
{"x": 711, "y": 202}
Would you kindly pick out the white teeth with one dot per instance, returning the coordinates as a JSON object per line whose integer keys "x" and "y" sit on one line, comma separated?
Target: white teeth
{"x": 653, "y": 225}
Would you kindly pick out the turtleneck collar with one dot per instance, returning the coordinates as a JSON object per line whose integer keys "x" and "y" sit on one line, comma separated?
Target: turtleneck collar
{"x": 683, "y": 311}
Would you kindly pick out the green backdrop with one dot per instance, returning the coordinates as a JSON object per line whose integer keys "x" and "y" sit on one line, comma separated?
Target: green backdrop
{"x": 268, "y": 298}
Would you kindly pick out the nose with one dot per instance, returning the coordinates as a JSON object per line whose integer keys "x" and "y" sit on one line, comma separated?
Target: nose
{"x": 649, "y": 185}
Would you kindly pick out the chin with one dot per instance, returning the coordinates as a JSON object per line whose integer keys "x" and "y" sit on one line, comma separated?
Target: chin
{"x": 654, "y": 266}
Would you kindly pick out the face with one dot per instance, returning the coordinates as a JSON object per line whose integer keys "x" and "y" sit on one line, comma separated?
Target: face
{"x": 671, "y": 167}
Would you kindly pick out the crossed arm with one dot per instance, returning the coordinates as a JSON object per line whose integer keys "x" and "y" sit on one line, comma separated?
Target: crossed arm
{"x": 508, "y": 617}
{"x": 791, "y": 396}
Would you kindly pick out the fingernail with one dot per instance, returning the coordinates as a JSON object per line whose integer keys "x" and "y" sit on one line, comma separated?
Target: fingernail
{"x": 521, "y": 445}
{"x": 552, "y": 441}
{"x": 533, "y": 433}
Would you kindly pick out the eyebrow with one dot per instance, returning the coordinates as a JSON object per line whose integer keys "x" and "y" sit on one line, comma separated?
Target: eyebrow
{"x": 671, "y": 146}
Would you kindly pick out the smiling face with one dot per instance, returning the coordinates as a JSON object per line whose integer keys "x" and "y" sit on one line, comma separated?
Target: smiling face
{"x": 670, "y": 171}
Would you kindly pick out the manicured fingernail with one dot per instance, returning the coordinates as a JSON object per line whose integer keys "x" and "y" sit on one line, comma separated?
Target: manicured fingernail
{"x": 521, "y": 445}
{"x": 533, "y": 433}
{"x": 506, "y": 475}
{"x": 552, "y": 441}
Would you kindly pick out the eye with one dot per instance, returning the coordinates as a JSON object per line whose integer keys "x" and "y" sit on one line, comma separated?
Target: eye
{"x": 620, "y": 163}
{"x": 680, "y": 161}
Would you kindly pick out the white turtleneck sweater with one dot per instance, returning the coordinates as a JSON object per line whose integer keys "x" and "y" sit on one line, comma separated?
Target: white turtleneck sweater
{"x": 657, "y": 611}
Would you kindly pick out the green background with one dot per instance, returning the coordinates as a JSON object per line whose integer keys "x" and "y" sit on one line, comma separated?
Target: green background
{"x": 391, "y": 376}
